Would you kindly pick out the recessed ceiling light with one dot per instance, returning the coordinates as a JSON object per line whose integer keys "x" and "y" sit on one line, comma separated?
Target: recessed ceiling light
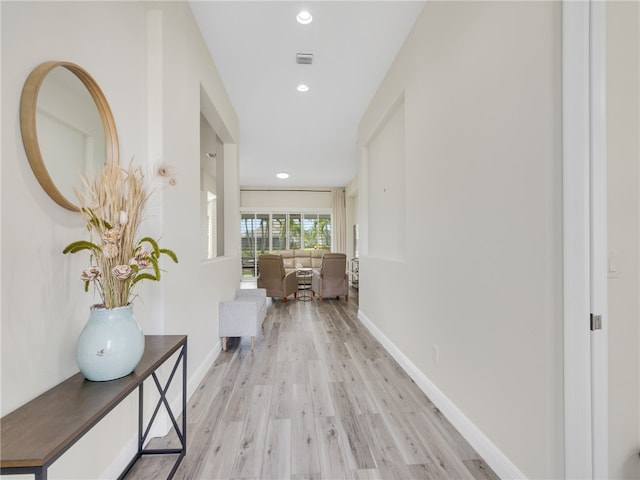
{"x": 304, "y": 17}
{"x": 303, "y": 88}
{"x": 282, "y": 175}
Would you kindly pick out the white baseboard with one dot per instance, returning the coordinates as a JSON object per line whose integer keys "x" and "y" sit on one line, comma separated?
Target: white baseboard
{"x": 491, "y": 454}
{"x": 125, "y": 455}
{"x": 201, "y": 371}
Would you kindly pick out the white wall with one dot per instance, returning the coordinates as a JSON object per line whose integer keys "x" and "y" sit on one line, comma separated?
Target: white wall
{"x": 193, "y": 292}
{"x": 386, "y": 186}
{"x": 285, "y": 200}
{"x": 481, "y": 278}
{"x": 623, "y": 109}
{"x": 140, "y": 54}
{"x": 352, "y": 207}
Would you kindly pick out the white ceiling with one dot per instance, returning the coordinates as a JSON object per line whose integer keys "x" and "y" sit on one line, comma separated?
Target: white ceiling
{"x": 310, "y": 135}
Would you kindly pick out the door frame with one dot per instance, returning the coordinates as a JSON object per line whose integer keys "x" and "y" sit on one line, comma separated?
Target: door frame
{"x": 584, "y": 237}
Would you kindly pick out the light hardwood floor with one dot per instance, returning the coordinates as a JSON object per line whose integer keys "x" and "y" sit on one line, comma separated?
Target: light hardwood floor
{"x": 319, "y": 398}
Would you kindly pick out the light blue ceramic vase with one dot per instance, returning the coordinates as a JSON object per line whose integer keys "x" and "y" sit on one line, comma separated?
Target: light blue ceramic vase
{"x": 110, "y": 345}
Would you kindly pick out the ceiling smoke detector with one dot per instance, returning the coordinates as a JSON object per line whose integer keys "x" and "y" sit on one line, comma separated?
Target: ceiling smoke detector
{"x": 304, "y": 58}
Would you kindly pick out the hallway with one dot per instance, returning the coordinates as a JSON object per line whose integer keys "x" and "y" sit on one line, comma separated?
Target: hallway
{"x": 319, "y": 398}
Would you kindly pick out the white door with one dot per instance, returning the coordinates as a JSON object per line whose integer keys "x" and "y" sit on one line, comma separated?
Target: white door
{"x": 585, "y": 231}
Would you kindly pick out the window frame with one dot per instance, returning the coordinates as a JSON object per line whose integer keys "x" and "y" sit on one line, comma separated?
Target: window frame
{"x": 303, "y": 213}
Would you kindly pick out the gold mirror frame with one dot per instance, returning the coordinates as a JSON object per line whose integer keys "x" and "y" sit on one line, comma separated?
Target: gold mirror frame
{"x": 28, "y": 104}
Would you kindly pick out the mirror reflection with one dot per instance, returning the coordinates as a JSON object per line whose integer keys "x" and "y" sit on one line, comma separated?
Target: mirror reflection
{"x": 67, "y": 128}
{"x": 70, "y": 131}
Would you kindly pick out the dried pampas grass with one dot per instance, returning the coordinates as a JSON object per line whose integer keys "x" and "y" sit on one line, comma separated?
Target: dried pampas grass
{"x": 112, "y": 209}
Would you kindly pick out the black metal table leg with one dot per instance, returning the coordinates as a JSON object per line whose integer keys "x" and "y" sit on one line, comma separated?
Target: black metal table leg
{"x": 181, "y": 431}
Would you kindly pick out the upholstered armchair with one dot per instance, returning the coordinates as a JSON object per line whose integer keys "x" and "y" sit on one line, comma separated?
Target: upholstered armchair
{"x": 331, "y": 280}
{"x": 274, "y": 279}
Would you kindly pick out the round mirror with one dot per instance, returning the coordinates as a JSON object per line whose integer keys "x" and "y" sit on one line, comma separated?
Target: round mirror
{"x": 67, "y": 127}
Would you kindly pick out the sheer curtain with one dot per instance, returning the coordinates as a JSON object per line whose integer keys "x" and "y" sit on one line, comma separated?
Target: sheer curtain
{"x": 339, "y": 223}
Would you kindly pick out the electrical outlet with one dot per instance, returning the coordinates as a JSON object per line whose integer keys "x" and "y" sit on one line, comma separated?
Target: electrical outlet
{"x": 436, "y": 354}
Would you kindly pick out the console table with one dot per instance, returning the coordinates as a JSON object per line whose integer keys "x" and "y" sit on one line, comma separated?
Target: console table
{"x": 38, "y": 433}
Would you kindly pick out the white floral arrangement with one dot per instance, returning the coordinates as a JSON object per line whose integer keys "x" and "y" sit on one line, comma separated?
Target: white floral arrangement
{"x": 112, "y": 210}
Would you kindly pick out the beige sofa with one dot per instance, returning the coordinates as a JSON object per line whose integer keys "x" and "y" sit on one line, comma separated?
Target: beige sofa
{"x": 294, "y": 259}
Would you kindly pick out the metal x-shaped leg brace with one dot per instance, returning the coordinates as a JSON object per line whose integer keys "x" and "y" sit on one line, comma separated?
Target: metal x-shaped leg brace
{"x": 181, "y": 432}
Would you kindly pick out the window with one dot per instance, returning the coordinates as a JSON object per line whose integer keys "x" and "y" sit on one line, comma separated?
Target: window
{"x": 317, "y": 231}
{"x": 279, "y": 231}
{"x": 254, "y": 235}
{"x": 211, "y": 225}
{"x": 295, "y": 231}
{"x": 267, "y": 232}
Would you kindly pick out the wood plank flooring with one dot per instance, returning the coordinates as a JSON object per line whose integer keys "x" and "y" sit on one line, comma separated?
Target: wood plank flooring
{"x": 319, "y": 398}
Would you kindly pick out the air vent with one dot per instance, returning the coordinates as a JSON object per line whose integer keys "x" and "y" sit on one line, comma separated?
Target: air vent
{"x": 304, "y": 58}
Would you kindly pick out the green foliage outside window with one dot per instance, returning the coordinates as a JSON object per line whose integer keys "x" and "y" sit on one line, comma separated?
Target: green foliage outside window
{"x": 263, "y": 232}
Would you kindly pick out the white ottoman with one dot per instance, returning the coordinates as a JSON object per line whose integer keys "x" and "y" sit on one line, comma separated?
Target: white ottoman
{"x": 242, "y": 316}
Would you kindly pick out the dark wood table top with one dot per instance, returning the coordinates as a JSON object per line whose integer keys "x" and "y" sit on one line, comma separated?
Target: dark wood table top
{"x": 38, "y": 432}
